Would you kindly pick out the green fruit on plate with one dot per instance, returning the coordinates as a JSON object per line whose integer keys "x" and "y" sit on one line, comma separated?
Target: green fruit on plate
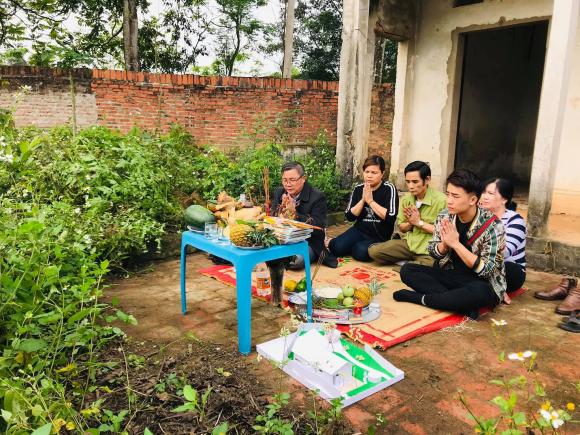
{"x": 348, "y": 291}
{"x": 348, "y": 302}
{"x": 301, "y": 286}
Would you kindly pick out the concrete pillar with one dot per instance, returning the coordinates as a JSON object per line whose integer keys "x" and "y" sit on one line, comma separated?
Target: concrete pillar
{"x": 561, "y": 42}
{"x": 288, "y": 40}
{"x": 399, "y": 144}
{"x": 355, "y": 86}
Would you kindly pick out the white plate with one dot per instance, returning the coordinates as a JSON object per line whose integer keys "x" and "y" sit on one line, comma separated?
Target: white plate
{"x": 195, "y": 230}
{"x": 328, "y": 292}
{"x": 249, "y": 247}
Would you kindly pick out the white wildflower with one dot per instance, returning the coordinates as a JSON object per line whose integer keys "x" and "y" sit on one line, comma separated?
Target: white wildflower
{"x": 520, "y": 356}
{"x": 552, "y": 417}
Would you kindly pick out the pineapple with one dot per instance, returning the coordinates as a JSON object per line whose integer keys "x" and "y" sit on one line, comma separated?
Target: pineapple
{"x": 239, "y": 234}
{"x": 247, "y": 234}
{"x": 365, "y": 294}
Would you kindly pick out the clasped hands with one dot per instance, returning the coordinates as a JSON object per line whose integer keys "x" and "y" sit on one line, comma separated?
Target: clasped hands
{"x": 367, "y": 194}
{"x": 449, "y": 234}
{"x": 412, "y": 215}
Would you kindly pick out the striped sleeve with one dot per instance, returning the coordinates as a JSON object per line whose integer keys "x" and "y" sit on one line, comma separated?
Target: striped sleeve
{"x": 515, "y": 235}
{"x": 392, "y": 199}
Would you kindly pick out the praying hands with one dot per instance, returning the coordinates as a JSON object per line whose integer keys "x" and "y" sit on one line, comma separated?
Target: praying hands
{"x": 449, "y": 234}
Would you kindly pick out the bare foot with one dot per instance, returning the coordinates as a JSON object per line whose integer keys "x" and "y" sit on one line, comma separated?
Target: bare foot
{"x": 506, "y": 299}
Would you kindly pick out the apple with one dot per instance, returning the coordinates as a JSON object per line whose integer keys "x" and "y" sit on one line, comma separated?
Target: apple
{"x": 348, "y": 291}
{"x": 348, "y": 302}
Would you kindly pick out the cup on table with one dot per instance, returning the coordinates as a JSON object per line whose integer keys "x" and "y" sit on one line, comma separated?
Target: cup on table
{"x": 222, "y": 236}
{"x": 210, "y": 231}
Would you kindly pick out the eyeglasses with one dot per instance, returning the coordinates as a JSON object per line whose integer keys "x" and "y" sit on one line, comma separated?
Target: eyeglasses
{"x": 291, "y": 180}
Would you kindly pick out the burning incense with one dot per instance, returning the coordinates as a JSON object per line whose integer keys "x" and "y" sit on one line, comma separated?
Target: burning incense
{"x": 266, "y": 178}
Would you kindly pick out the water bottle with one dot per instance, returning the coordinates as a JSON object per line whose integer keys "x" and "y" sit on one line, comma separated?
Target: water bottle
{"x": 263, "y": 287}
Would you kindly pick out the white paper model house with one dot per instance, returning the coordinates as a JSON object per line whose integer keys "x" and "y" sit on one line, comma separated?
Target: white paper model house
{"x": 336, "y": 368}
{"x": 314, "y": 351}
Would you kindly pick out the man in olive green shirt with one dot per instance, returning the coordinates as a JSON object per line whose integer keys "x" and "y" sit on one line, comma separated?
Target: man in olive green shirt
{"x": 417, "y": 213}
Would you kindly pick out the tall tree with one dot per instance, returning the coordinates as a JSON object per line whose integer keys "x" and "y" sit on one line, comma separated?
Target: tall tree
{"x": 318, "y": 38}
{"x": 236, "y": 26}
{"x": 288, "y": 39}
{"x": 130, "y": 35}
{"x": 173, "y": 42}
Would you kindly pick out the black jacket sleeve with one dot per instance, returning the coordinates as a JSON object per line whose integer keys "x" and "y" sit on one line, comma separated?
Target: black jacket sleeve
{"x": 355, "y": 197}
{"x": 317, "y": 212}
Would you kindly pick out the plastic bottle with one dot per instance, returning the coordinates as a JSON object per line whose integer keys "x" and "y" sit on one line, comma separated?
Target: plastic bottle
{"x": 263, "y": 286}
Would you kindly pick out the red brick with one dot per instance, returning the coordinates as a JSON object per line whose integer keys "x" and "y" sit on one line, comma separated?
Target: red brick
{"x": 204, "y": 106}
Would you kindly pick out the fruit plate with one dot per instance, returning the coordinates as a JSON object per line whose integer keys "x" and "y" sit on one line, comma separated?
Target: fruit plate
{"x": 194, "y": 230}
{"x": 340, "y": 316}
{"x": 250, "y": 247}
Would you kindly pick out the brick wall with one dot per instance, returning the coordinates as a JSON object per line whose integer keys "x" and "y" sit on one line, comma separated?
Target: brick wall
{"x": 49, "y": 101}
{"x": 224, "y": 111}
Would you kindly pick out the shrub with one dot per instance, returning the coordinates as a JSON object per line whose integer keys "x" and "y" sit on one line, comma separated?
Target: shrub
{"x": 70, "y": 207}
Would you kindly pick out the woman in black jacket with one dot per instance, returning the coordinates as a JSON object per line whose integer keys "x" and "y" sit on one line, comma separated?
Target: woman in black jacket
{"x": 373, "y": 208}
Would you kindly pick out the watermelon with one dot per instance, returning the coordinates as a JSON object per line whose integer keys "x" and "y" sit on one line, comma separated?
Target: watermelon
{"x": 197, "y": 216}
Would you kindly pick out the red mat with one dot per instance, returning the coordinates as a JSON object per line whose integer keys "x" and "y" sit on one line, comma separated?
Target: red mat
{"x": 399, "y": 322}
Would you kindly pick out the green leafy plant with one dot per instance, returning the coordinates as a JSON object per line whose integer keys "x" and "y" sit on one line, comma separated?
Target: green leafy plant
{"x": 194, "y": 402}
{"x": 325, "y": 418}
{"x": 113, "y": 422}
{"x": 379, "y": 426}
{"x": 221, "y": 429}
{"x": 270, "y": 422}
{"x": 522, "y": 404}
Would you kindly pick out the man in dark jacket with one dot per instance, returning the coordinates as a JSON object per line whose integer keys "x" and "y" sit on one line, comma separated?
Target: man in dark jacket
{"x": 310, "y": 207}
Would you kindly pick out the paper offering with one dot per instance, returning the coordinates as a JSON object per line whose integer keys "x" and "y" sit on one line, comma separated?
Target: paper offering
{"x": 319, "y": 359}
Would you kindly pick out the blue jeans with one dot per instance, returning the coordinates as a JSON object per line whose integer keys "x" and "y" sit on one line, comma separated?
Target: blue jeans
{"x": 352, "y": 242}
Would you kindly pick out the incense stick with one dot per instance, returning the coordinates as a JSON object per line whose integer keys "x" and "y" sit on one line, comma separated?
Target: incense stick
{"x": 266, "y": 173}
{"x": 318, "y": 263}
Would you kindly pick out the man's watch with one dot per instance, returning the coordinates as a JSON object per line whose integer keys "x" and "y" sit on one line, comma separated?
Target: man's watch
{"x": 421, "y": 223}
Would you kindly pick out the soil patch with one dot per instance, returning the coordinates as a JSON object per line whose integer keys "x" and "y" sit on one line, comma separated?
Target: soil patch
{"x": 146, "y": 380}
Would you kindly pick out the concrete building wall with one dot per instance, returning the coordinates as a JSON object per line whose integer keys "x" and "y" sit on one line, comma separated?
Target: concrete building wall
{"x": 566, "y": 197}
{"x": 430, "y": 100}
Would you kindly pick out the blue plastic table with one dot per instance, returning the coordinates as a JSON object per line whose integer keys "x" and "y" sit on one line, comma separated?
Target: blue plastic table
{"x": 244, "y": 261}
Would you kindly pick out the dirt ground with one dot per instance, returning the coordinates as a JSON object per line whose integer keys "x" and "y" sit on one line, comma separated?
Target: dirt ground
{"x": 436, "y": 365}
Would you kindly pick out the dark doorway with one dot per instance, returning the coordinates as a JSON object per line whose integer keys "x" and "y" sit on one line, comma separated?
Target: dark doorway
{"x": 500, "y": 96}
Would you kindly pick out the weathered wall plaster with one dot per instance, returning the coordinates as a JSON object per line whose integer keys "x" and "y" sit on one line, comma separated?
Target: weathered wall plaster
{"x": 427, "y": 127}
